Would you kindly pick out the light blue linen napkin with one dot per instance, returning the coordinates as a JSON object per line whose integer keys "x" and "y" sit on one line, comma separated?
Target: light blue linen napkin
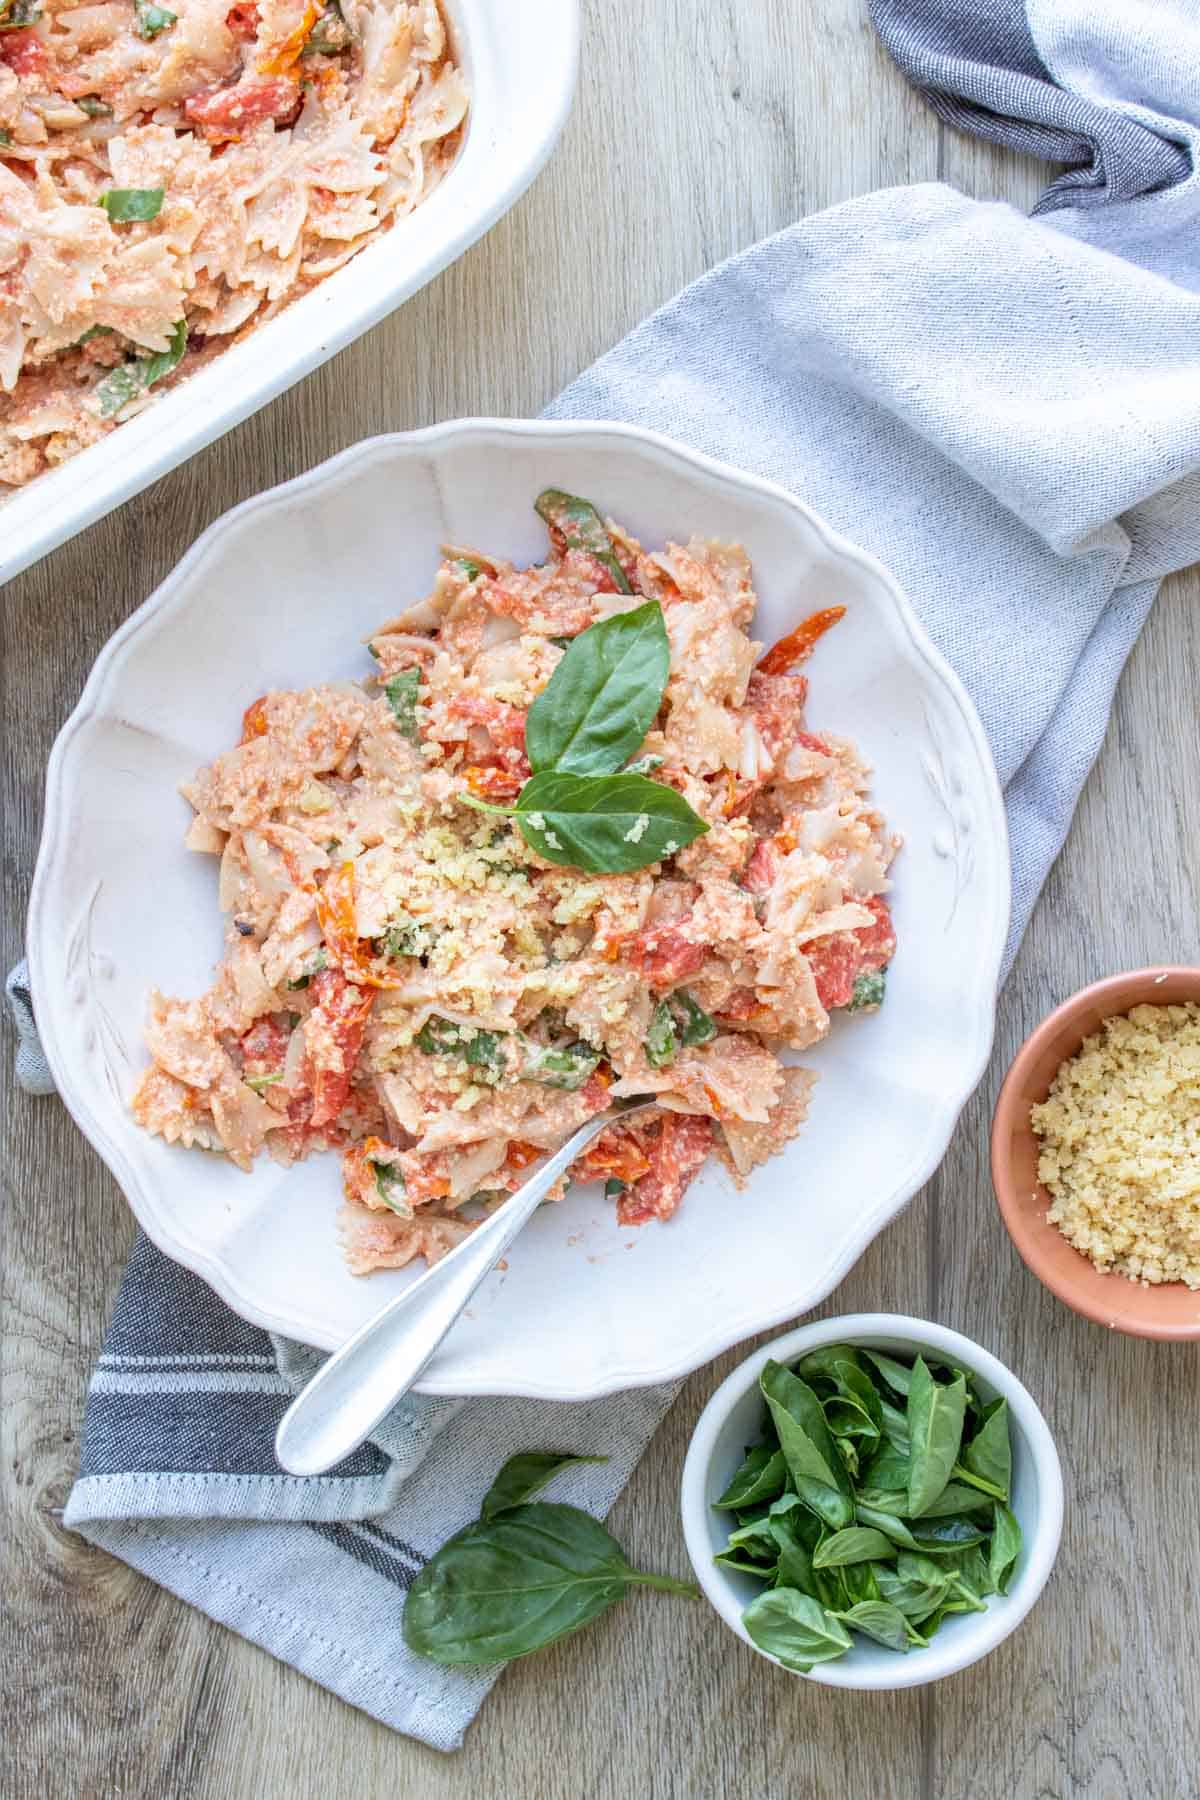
{"x": 1007, "y": 411}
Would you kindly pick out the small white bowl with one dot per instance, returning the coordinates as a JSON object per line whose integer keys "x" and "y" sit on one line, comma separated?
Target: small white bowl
{"x": 733, "y": 1419}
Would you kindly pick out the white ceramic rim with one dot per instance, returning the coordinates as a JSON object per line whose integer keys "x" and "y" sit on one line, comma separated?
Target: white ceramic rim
{"x": 514, "y": 141}
{"x": 991, "y": 1627}
{"x": 993, "y": 928}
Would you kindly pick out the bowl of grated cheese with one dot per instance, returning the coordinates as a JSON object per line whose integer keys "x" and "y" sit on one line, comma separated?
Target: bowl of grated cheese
{"x": 1096, "y": 1152}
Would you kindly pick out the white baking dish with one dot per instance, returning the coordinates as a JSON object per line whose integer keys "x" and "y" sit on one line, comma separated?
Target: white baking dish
{"x": 520, "y": 61}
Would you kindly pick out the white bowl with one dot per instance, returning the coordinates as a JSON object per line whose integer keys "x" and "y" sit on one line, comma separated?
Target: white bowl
{"x": 520, "y": 62}
{"x": 734, "y": 1418}
{"x": 279, "y": 593}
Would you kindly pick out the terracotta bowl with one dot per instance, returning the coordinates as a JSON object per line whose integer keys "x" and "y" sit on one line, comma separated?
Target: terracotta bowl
{"x": 1169, "y": 1310}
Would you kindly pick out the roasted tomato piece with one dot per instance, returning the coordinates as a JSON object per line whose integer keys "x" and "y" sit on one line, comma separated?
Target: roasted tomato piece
{"x": 495, "y": 783}
{"x": 230, "y": 111}
{"x": 762, "y": 868}
{"x": 334, "y": 1035}
{"x": 798, "y": 644}
{"x": 838, "y": 961}
{"x": 663, "y": 955}
{"x": 254, "y": 720}
{"x": 613, "y": 1153}
{"x": 676, "y": 1152}
{"x": 23, "y": 51}
{"x": 266, "y": 1044}
{"x": 242, "y": 20}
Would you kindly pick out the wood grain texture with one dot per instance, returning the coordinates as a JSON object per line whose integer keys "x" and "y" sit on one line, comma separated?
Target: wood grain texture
{"x": 709, "y": 125}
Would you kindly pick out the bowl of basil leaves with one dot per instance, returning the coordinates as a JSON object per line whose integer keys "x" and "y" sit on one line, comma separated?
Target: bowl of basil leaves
{"x": 872, "y": 1501}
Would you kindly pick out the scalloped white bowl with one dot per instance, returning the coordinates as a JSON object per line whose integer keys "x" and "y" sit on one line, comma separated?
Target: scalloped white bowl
{"x": 280, "y": 592}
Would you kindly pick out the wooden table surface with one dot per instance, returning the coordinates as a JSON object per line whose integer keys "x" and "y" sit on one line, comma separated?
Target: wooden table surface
{"x": 715, "y": 124}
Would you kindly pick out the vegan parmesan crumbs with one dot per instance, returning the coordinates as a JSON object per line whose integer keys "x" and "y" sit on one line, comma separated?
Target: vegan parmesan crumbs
{"x": 1120, "y": 1145}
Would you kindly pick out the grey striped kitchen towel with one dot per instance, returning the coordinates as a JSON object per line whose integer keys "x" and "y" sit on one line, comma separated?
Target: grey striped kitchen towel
{"x": 1007, "y": 411}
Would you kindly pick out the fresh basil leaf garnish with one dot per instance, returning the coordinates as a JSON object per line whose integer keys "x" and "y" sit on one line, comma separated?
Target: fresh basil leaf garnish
{"x": 580, "y": 527}
{"x": 603, "y": 696}
{"x": 607, "y": 824}
{"x": 126, "y": 206}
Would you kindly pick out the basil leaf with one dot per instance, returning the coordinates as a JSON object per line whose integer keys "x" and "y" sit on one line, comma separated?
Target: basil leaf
{"x": 857, "y": 1543}
{"x": 525, "y": 1475}
{"x": 869, "y": 990}
{"x": 915, "y": 1595}
{"x": 125, "y": 206}
{"x": 741, "y": 1565}
{"x": 795, "y": 1628}
{"x": 895, "y": 1426}
{"x": 894, "y": 1373}
{"x": 389, "y": 1185}
{"x": 567, "y": 1068}
{"x": 987, "y": 1459}
{"x": 756, "y": 1540}
{"x": 580, "y": 527}
{"x": 821, "y": 1364}
{"x": 956, "y": 1497}
{"x": 938, "y": 1537}
{"x": 130, "y": 379}
{"x": 1005, "y": 1548}
{"x": 760, "y": 1477}
{"x": 888, "y": 1470}
{"x": 795, "y": 1566}
{"x": 505, "y": 1586}
{"x": 602, "y": 698}
{"x": 407, "y": 937}
{"x": 662, "y": 1045}
{"x": 401, "y": 691}
{"x": 150, "y": 20}
{"x": 317, "y": 961}
{"x": 695, "y": 1025}
{"x": 479, "y": 1049}
{"x": 817, "y": 1470}
{"x": 887, "y": 1523}
{"x": 879, "y": 1620}
{"x": 259, "y": 1082}
{"x": 935, "y": 1423}
{"x": 607, "y": 824}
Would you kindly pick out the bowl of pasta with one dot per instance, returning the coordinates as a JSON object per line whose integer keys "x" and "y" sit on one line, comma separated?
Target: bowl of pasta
{"x": 478, "y": 781}
{"x": 201, "y": 202}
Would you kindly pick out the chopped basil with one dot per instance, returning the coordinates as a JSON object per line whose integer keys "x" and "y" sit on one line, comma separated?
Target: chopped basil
{"x": 329, "y": 37}
{"x": 401, "y": 693}
{"x": 695, "y": 1026}
{"x": 662, "y": 1040}
{"x": 259, "y": 1082}
{"x": 127, "y": 206}
{"x": 868, "y": 992}
{"x": 5, "y": 138}
{"x": 318, "y": 961}
{"x": 470, "y": 568}
{"x": 568, "y": 1067}
{"x": 389, "y": 1185}
{"x": 411, "y": 938}
{"x": 123, "y": 384}
{"x": 150, "y": 20}
{"x": 676, "y": 1023}
{"x": 580, "y": 527}
{"x": 94, "y": 107}
{"x": 93, "y": 331}
{"x": 480, "y": 1049}
{"x": 613, "y": 1188}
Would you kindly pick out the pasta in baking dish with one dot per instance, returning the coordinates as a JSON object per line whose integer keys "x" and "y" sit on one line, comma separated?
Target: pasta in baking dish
{"x": 572, "y": 841}
{"x": 171, "y": 176}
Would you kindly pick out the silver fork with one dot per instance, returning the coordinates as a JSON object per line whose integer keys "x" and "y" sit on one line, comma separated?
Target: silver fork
{"x": 350, "y": 1393}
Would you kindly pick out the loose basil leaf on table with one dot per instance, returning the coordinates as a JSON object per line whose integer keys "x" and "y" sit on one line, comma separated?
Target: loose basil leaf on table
{"x": 795, "y": 1628}
{"x": 580, "y": 527}
{"x": 602, "y": 698}
{"x": 935, "y": 1416}
{"x": 525, "y": 1475}
{"x": 517, "y": 1582}
{"x": 607, "y": 824}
